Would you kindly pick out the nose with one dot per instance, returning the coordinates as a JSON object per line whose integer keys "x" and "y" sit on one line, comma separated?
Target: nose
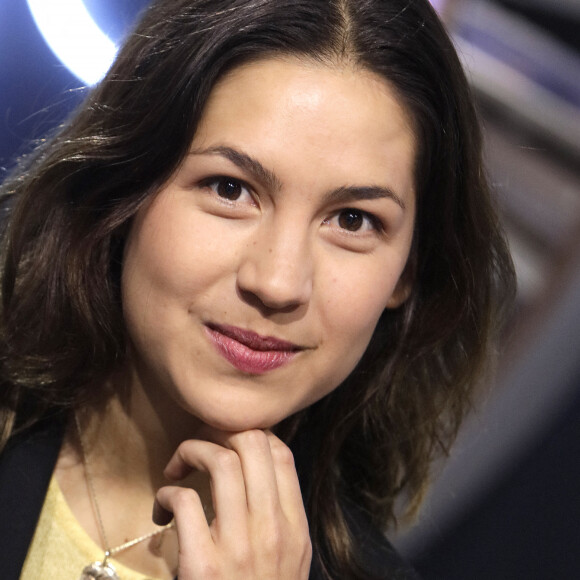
{"x": 277, "y": 268}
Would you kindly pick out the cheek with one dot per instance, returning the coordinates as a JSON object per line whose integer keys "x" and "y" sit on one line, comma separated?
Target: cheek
{"x": 170, "y": 258}
{"x": 357, "y": 296}
{"x": 352, "y": 309}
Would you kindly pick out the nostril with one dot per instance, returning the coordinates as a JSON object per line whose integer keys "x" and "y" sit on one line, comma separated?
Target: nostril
{"x": 267, "y": 305}
{"x": 275, "y": 275}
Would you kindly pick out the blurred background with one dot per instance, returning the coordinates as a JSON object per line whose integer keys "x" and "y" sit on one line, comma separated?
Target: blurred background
{"x": 505, "y": 505}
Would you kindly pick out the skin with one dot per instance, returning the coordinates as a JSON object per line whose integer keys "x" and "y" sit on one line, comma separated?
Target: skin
{"x": 293, "y": 218}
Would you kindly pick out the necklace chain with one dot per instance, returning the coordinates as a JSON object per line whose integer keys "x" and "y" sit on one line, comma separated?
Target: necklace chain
{"x": 91, "y": 486}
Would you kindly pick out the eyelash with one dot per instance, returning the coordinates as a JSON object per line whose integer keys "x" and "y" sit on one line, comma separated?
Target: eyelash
{"x": 374, "y": 222}
{"x": 214, "y": 182}
{"x": 218, "y": 180}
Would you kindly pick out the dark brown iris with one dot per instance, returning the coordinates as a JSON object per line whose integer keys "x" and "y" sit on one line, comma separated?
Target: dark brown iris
{"x": 229, "y": 189}
{"x": 350, "y": 219}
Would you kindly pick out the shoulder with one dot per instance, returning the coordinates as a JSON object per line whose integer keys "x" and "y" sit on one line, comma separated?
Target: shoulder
{"x": 377, "y": 559}
{"x": 26, "y": 465}
{"x": 34, "y": 448}
{"x": 377, "y": 556}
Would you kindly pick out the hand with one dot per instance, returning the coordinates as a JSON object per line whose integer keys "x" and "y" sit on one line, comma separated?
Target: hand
{"x": 260, "y": 531}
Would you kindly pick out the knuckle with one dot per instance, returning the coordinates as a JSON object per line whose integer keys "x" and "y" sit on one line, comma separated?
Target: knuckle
{"x": 281, "y": 453}
{"x": 273, "y": 540}
{"x": 185, "y": 449}
{"x": 227, "y": 460}
{"x": 185, "y": 446}
{"x": 306, "y": 558}
{"x": 301, "y": 540}
{"x": 254, "y": 439}
{"x": 242, "y": 556}
{"x": 208, "y": 570}
{"x": 307, "y": 547}
{"x": 185, "y": 495}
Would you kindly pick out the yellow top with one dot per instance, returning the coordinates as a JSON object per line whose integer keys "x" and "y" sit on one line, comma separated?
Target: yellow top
{"x": 61, "y": 548}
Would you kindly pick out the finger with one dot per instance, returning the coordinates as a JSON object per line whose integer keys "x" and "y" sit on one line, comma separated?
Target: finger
{"x": 258, "y": 469}
{"x": 289, "y": 492}
{"x": 269, "y": 471}
{"x": 291, "y": 501}
{"x": 183, "y": 462}
{"x": 277, "y": 520}
{"x": 227, "y": 481}
{"x": 196, "y": 544}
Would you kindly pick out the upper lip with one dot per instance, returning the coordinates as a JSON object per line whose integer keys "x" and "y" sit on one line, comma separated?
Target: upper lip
{"x": 254, "y": 340}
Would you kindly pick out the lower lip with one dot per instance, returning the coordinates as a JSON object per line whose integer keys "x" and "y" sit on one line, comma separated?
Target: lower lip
{"x": 246, "y": 359}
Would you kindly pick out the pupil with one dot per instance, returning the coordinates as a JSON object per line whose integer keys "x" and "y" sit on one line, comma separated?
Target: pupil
{"x": 229, "y": 189}
{"x": 350, "y": 220}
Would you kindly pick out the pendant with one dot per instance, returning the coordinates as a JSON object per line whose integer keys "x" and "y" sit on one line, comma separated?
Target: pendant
{"x": 99, "y": 571}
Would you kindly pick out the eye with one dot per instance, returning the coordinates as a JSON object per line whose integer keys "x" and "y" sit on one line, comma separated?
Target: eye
{"x": 228, "y": 188}
{"x": 355, "y": 220}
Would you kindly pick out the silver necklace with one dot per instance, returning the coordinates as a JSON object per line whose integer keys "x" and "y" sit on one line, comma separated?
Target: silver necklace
{"x": 102, "y": 570}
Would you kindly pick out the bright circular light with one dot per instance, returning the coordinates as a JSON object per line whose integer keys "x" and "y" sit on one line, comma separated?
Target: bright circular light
{"x": 74, "y": 37}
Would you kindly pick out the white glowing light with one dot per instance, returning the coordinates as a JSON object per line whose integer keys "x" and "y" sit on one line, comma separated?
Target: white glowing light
{"x": 74, "y": 37}
{"x": 438, "y": 4}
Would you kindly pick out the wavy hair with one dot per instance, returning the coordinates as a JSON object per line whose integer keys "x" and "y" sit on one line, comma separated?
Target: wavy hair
{"x": 61, "y": 326}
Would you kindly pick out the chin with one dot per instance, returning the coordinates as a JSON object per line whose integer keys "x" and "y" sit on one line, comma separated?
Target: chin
{"x": 238, "y": 421}
{"x": 237, "y": 425}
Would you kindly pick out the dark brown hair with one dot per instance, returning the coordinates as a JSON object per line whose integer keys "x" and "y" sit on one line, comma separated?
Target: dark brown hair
{"x": 62, "y": 327}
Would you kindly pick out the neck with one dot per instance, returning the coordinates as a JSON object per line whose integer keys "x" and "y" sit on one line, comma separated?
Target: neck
{"x": 134, "y": 433}
{"x": 128, "y": 440}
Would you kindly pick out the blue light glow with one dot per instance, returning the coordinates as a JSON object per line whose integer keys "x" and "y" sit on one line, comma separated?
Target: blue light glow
{"x": 74, "y": 37}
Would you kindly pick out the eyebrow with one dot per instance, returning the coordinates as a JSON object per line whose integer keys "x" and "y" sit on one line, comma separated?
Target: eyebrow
{"x": 358, "y": 193}
{"x": 345, "y": 194}
{"x": 245, "y": 163}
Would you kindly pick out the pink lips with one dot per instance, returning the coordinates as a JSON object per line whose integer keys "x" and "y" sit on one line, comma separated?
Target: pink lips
{"x": 251, "y": 352}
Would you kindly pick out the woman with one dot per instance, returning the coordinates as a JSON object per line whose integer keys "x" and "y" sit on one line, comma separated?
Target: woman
{"x": 268, "y": 226}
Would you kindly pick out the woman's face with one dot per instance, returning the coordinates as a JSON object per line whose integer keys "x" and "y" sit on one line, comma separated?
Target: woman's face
{"x": 254, "y": 280}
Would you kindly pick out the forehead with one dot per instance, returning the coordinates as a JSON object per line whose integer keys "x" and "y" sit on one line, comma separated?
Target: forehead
{"x": 347, "y": 122}
{"x": 301, "y": 86}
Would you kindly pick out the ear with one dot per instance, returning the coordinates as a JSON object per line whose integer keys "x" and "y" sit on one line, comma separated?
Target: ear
{"x": 404, "y": 286}
{"x": 401, "y": 292}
